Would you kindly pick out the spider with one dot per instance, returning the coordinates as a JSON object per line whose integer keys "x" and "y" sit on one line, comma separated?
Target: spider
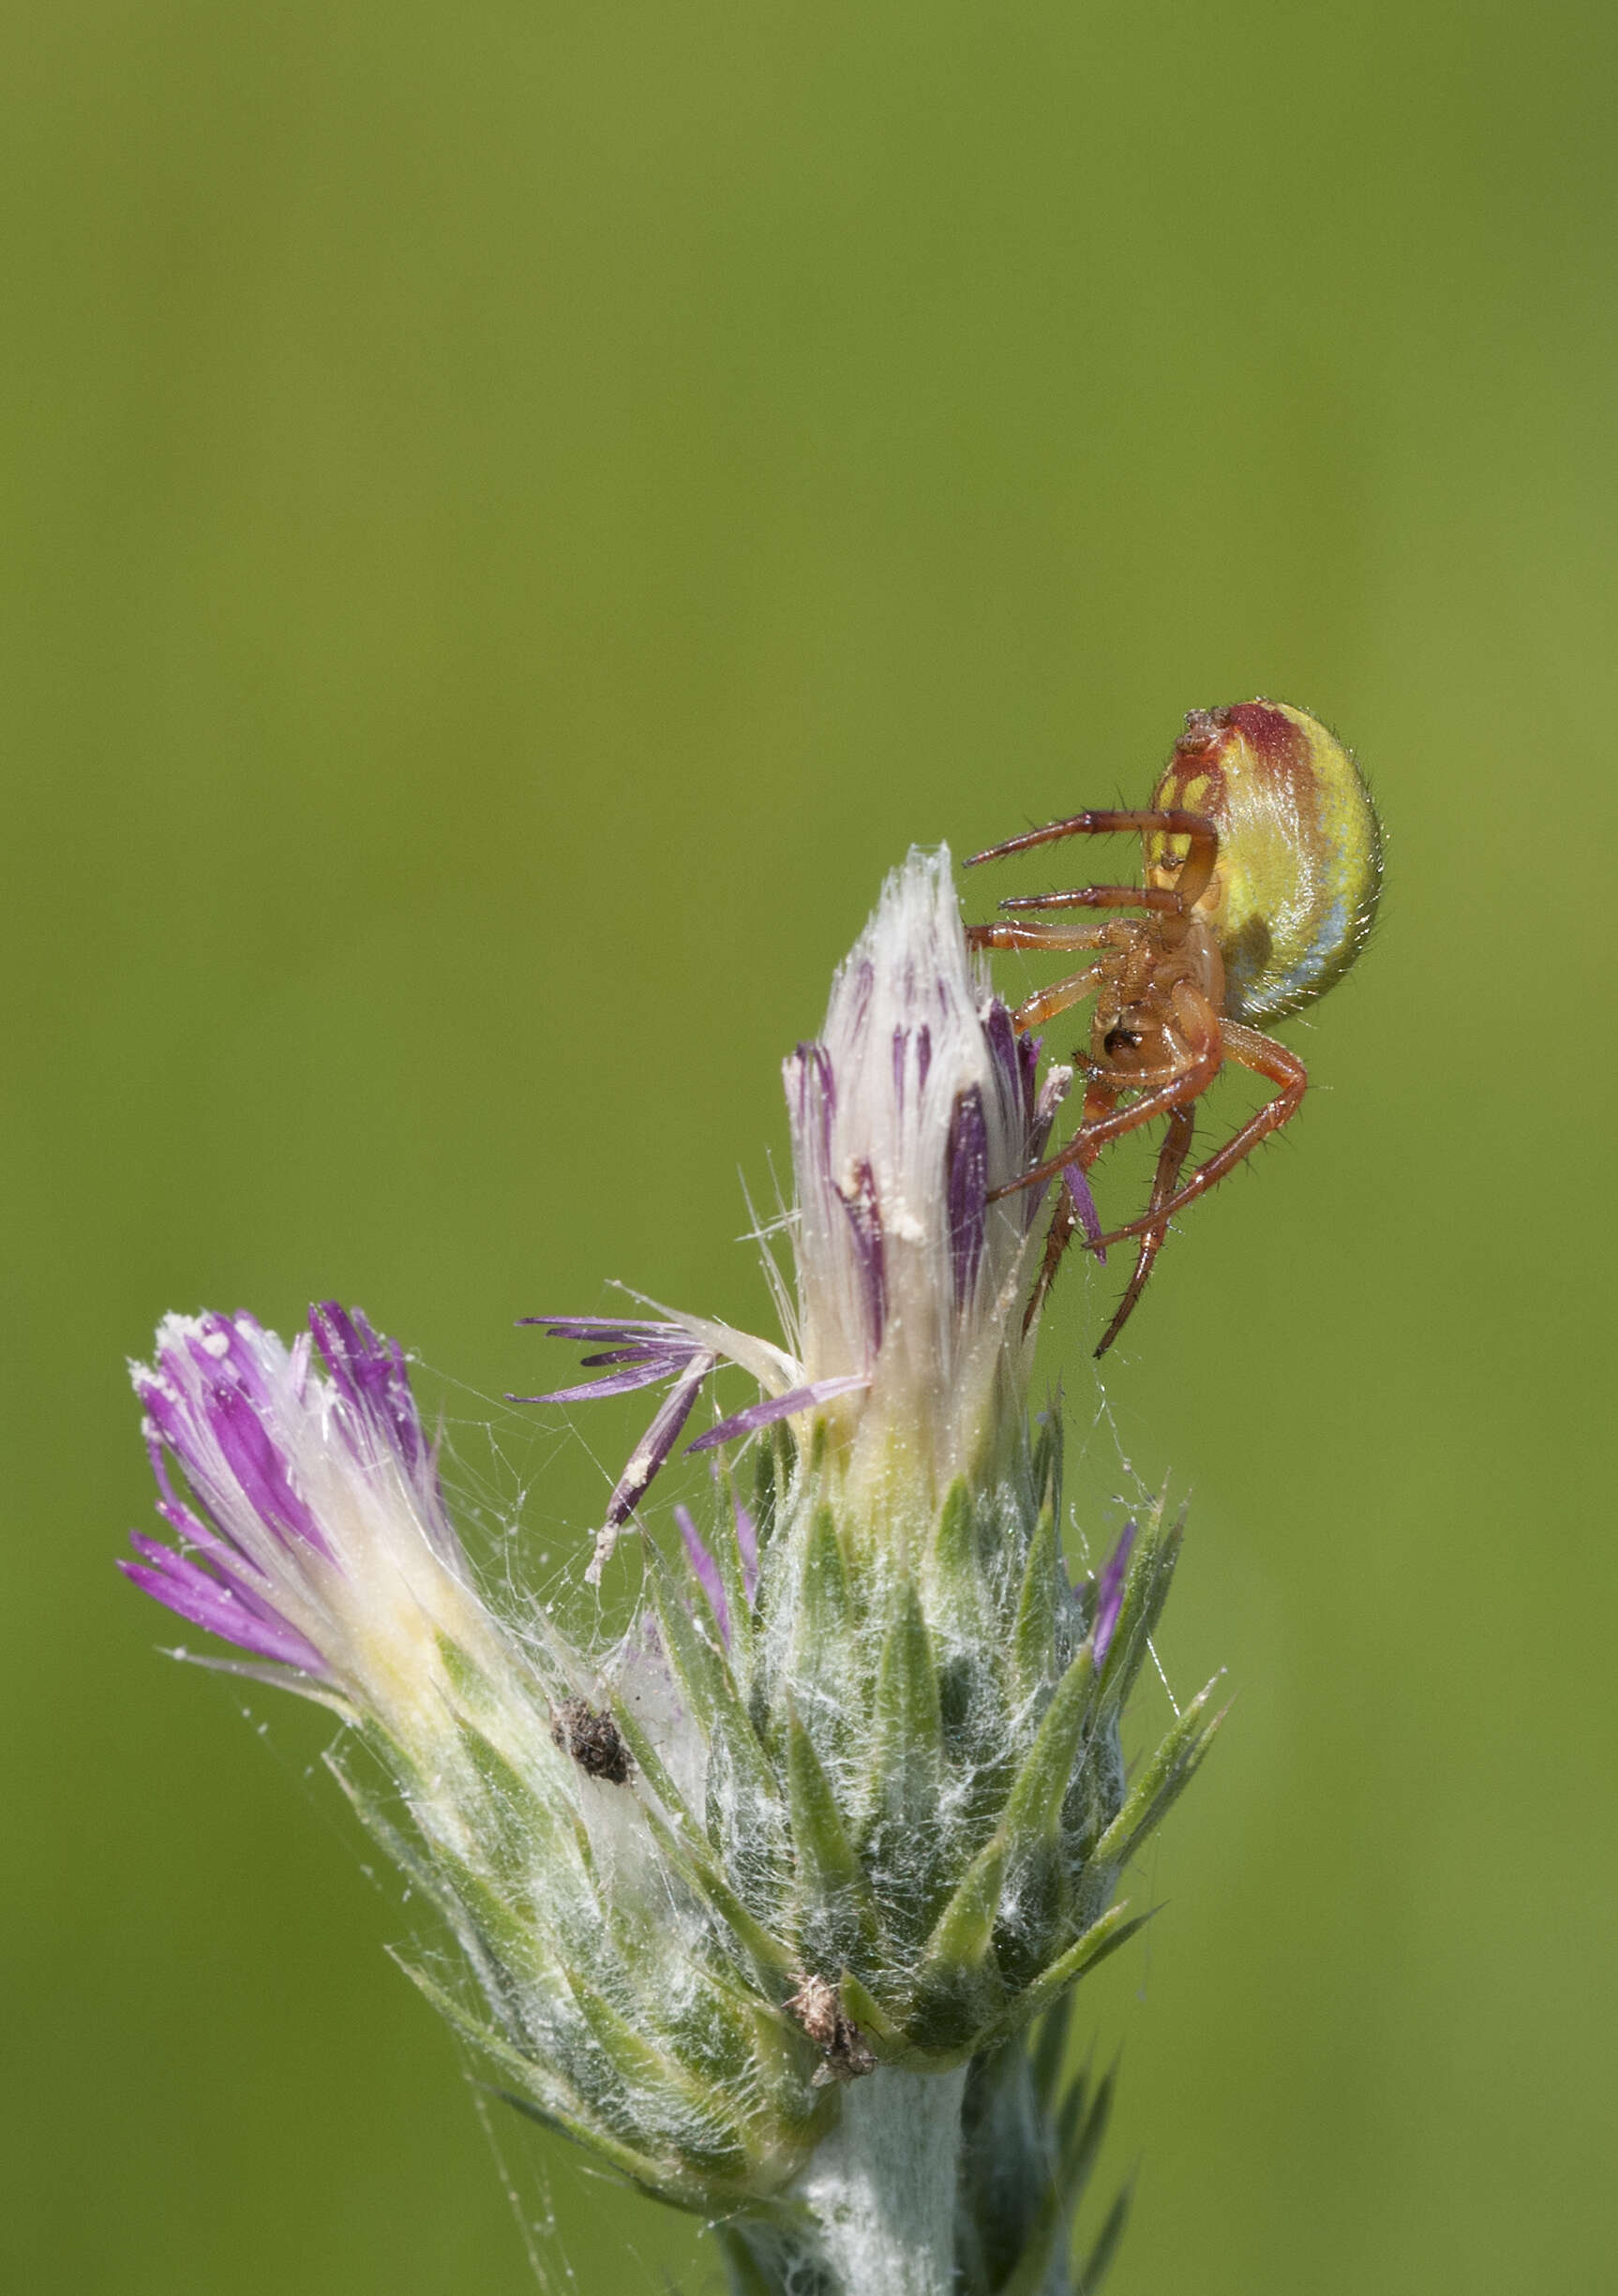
{"x": 1263, "y": 865}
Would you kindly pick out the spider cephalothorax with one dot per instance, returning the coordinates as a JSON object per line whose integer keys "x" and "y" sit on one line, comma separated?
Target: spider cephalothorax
{"x": 1263, "y": 865}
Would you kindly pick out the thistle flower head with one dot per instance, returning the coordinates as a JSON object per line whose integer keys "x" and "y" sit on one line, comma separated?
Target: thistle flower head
{"x": 915, "y": 1107}
{"x": 315, "y": 1537}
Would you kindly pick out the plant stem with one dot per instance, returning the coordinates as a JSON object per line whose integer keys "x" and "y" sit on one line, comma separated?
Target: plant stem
{"x": 882, "y": 2187}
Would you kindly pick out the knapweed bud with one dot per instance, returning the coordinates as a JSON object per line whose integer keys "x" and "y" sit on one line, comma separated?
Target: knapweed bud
{"x": 916, "y": 1103}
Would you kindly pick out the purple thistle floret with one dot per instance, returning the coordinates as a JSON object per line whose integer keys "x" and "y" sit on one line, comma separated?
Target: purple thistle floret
{"x": 909, "y": 1116}
{"x": 966, "y": 1189}
{"x": 649, "y": 1453}
{"x": 765, "y": 1414}
{"x": 644, "y": 1354}
{"x": 1110, "y": 1593}
{"x": 705, "y": 1571}
{"x": 1085, "y": 1210}
{"x": 636, "y": 1354}
{"x": 864, "y": 1207}
{"x": 639, "y": 1356}
{"x": 311, "y": 1481}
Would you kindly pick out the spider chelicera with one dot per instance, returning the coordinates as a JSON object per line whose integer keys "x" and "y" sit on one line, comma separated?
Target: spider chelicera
{"x": 1263, "y": 865}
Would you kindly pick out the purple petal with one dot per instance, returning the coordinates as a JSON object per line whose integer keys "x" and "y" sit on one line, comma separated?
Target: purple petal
{"x": 236, "y": 1410}
{"x": 197, "y": 1529}
{"x": 1110, "y": 1593}
{"x": 221, "y": 1569}
{"x": 167, "y": 1419}
{"x": 1028, "y": 1069}
{"x": 251, "y": 1453}
{"x": 859, "y": 1198}
{"x": 1001, "y": 1039}
{"x": 813, "y": 1087}
{"x": 647, "y": 1457}
{"x": 220, "y": 1608}
{"x": 370, "y": 1375}
{"x": 605, "y": 1328}
{"x": 966, "y": 1188}
{"x": 1083, "y": 1205}
{"x": 616, "y": 1383}
{"x": 747, "y": 1547}
{"x": 780, "y": 1407}
{"x": 646, "y": 1353}
{"x": 923, "y": 1054}
{"x": 210, "y": 1391}
{"x": 216, "y": 1340}
{"x": 705, "y": 1572}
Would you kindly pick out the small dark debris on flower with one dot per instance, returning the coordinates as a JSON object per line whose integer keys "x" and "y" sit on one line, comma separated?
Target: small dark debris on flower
{"x": 593, "y": 1739}
{"x": 823, "y": 2018}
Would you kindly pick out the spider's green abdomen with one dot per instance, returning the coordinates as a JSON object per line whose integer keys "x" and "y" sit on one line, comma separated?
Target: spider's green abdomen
{"x": 1300, "y": 867}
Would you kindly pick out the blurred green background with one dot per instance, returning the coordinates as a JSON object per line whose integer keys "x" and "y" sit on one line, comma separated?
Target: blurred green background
{"x": 514, "y": 515}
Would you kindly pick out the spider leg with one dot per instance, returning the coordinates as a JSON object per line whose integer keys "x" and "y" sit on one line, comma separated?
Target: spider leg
{"x": 1182, "y": 1085}
{"x": 1200, "y": 856}
{"x": 1171, "y": 1157}
{"x": 1100, "y": 1097}
{"x": 1061, "y": 1234}
{"x": 1050, "y": 936}
{"x": 1046, "y": 1002}
{"x": 1265, "y": 1058}
{"x": 1100, "y": 896}
{"x": 1101, "y": 1100}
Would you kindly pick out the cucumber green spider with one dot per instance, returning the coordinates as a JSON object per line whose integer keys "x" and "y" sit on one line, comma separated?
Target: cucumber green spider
{"x": 1263, "y": 865}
